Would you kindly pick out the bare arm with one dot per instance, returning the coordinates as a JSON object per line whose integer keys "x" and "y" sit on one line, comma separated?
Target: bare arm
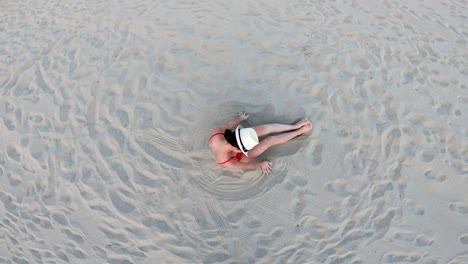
{"x": 232, "y": 123}
{"x": 236, "y": 121}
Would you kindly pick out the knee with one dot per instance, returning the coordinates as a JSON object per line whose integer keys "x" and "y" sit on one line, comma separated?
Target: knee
{"x": 261, "y": 130}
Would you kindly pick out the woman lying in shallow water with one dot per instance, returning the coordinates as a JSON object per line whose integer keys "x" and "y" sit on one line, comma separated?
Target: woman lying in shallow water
{"x": 237, "y": 149}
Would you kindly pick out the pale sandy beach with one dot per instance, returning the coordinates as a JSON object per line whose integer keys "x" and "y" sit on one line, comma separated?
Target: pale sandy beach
{"x": 106, "y": 108}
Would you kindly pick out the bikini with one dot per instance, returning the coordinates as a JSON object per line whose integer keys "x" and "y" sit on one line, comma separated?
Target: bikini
{"x": 238, "y": 156}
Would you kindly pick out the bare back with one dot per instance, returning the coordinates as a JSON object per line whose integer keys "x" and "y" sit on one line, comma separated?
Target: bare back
{"x": 220, "y": 147}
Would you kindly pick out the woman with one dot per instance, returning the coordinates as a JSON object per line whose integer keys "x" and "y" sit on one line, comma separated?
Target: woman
{"x": 237, "y": 149}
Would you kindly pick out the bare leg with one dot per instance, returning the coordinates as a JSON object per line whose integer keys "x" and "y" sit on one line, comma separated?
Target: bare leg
{"x": 276, "y": 140}
{"x": 278, "y": 128}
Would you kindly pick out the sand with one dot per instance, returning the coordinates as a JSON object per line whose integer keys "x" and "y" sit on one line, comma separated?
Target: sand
{"x": 106, "y": 108}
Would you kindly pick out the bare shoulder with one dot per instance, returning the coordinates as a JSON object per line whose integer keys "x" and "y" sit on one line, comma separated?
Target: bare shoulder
{"x": 217, "y": 130}
{"x": 214, "y": 138}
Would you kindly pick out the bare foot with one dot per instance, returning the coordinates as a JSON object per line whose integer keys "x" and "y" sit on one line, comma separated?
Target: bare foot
{"x": 301, "y": 123}
{"x": 306, "y": 127}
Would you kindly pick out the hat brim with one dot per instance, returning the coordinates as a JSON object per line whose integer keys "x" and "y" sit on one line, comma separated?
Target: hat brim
{"x": 238, "y": 128}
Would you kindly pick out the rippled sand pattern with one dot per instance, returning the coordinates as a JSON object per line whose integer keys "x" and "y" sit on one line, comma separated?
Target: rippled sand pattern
{"x": 106, "y": 107}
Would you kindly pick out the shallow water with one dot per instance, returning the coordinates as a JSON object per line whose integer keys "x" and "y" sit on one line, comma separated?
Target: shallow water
{"x": 106, "y": 109}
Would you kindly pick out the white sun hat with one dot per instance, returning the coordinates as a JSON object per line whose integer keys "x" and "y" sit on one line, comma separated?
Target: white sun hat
{"x": 246, "y": 139}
